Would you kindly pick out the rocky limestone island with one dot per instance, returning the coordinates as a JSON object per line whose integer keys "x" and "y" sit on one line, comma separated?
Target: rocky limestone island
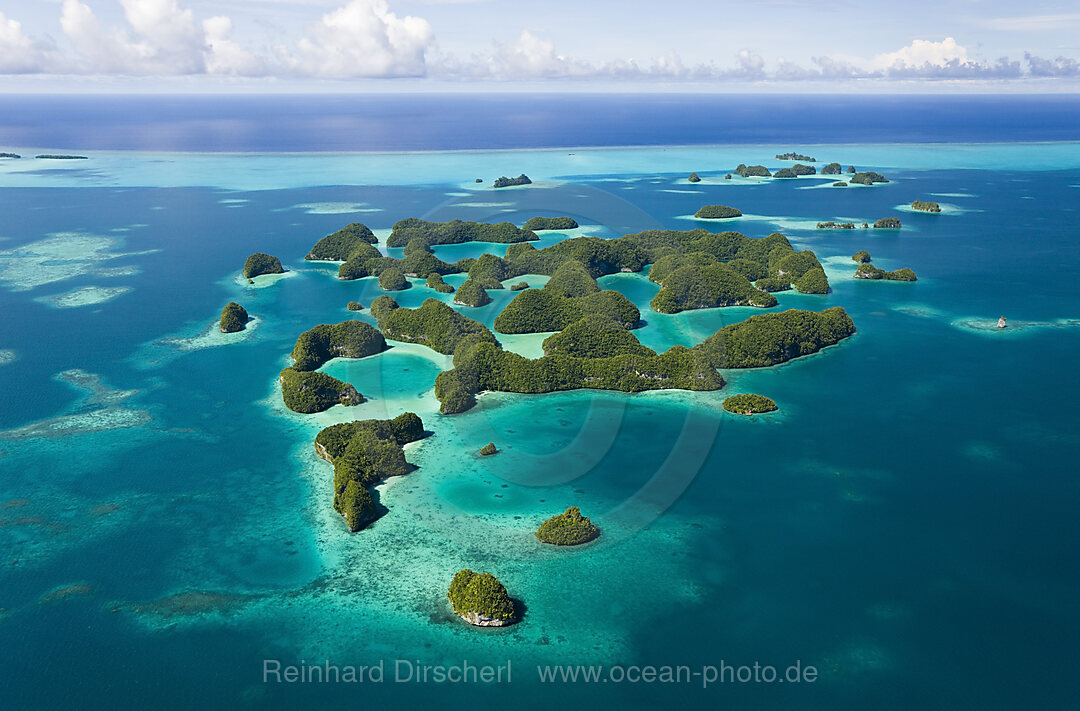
{"x": 569, "y": 528}
{"x": 436, "y": 282}
{"x": 862, "y": 257}
{"x": 234, "y": 318}
{"x": 869, "y": 271}
{"x": 348, "y": 339}
{"x": 551, "y": 223}
{"x": 309, "y": 392}
{"x": 59, "y": 156}
{"x": 795, "y": 156}
{"x": 851, "y": 169}
{"x": 752, "y": 171}
{"x": 505, "y": 182}
{"x": 519, "y": 286}
{"x": 488, "y": 449}
{"x": 10, "y": 155}
{"x": 479, "y": 180}
{"x": 694, "y": 178}
{"x": 836, "y": 225}
{"x": 887, "y": 223}
{"x": 785, "y": 173}
{"x": 341, "y": 245}
{"x": 925, "y": 206}
{"x": 481, "y": 600}
{"x": 259, "y": 264}
{"x": 393, "y": 279}
{"x": 867, "y": 178}
{"x": 354, "y": 306}
{"x": 717, "y": 212}
{"x": 471, "y": 293}
{"x": 749, "y": 404}
{"x": 832, "y": 169}
{"x": 840, "y": 184}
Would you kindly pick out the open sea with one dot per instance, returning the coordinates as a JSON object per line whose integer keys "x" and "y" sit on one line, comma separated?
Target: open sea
{"x": 905, "y": 524}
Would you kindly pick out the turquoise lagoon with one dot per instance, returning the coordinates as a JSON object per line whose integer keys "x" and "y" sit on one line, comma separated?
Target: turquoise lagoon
{"x": 905, "y": 523}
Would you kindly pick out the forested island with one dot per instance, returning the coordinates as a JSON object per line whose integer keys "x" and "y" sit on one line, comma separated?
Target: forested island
{"x": 456, "y": 232}
{"x": 311, "y": 391}
{"x": 481, "y": 600}
{"x": 10, "y": 155}
{"x": 717, "y": 212}
{"x": 365, "y": 453}
{"x": 888, "y": 223}
{"x": 354, "y": 306}
{"x": 795, "y": 156}
{"x": 867, "y": 178}
{"x": 343, "y": 244}
{"x": 752, "y": 171}
{"x": 234, "y": 318}
{"x": 434, "y": 324}
{"x": 471, "y": 293}
{"x": 694, "y": 178}
{"x": 862, "y": 256}
{"x": 59, "y": 156}
{"x": 869, "y": 271}
{"x": 550, "y": 223}
{"x": 436, "y": 282}
{"x": 836, "y": 225}
{"x": 259, "y": 264}
{"x": 569, "y": 528}
{"x": 570, "y": 294}
{"x": 832, "y": 169}
{"x": 505, "y": 182}
{"x": 488, "y": 449}
{"x": 348, "y": 339}
{"x": 393, "y": 279}
{"x": 749, "y": 404}
{"x": 925, "y": 206}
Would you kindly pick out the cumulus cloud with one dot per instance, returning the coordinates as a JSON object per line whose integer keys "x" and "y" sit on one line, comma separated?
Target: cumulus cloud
{"x": 1057, "y": 67}
{"x": 223, "y": 56}
{"x": 20, "y": 54}
{"x": 361, "y": 39}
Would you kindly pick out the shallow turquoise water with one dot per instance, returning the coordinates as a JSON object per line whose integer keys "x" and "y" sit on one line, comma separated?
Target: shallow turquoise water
{"x": 905, "y": 522}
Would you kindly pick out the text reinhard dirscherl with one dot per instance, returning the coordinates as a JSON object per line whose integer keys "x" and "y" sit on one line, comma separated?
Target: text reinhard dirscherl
{"x": 407, "y": 671}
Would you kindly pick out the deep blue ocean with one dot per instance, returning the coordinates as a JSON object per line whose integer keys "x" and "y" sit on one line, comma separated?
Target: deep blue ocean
{"x": 905, "y": 523}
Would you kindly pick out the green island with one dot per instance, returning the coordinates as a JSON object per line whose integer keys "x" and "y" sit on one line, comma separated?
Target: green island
{"x": 348, "y": 339}
{"x": 234, "y": 318}
{"x": 795, "y": 156}
{"x": 699, "y": 281}
{"x": 888, "y": 223}
{"x": 59, "y": 156}
{"x": 840, "y": 184}
{"x": 363, "y": 454}
{"x": 354, "y": 306}
{"x": 309, "y": 391}
{"x": 800, "y": 169}
{"x": 925, "y": 206}
{"x": 771, "y": 284}
{"x": 488, "y": 449}
{"x": 259, "y": 264}
{"x": 10, "y": 155}
{"x": 595, "y": 336}
{"x": 504, "y": 182}
{"x": 569, "y": 294}
{"x": 832, "y": 169}
{"x": 717, "y": 212}
{"x": 433, "y": 324}
{"x": 851, "y": 169}
{"x": 393, "y": 279}
{"x": 862, "y": 256}
{"x": 550, "y": 223}
{"x": 519, "y": 286}
{"x": 694, "y": 178}
{"x": 867, "y": 178}
{"x": 749, "y": 404}
{"x": 472, "y": 293}
{"x": 752, "y": 171}
{"x": 382, "y": 305}
{"x": 569, "y": 528}
{"x": 836, "y": 225}
{"x": 456, "y": 232}
{"x": 869, "y": 271}
{"x": 785, "y": 173}
{"x": 435, "y": 281}
{"x": 341, "y": 245}
{"x": 481, "y": 600}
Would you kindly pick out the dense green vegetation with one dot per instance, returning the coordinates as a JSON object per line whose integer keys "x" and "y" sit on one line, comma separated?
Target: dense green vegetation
{"x": 785, "y": 173}
{"x": 488, "y": 449}
{"x": 435, "y": 281}
{"x": 569, "y": 528}
{"x": 862, "y": 256}
{"x": 569, "y": 295}
{"x": 867, "y": 178}
{"x": 832, "y": 169}
{"x": 456, "y": 232}
{"x": 851, "y": 169}
{"x": 471, "y": 293}
{"x": 717, "y": 212}
{"x": 550, "y": 223}
{"x": 434, "y": 324}
{"x": 259, "y": 264}
{"x": 840, "y": 184}
{"x": 836, "y": 225}
{"x": 10, "y": 155}
{"x": 887, "y": 223}
{"x": 869, "y": 271}
{"x": 485, "y": 366}
{"x": 348, "y": 339}
{"x": 382, "y": 305}
{"x": 925, "y": 206}
{"x": 311, "y": 391}
{"x": 393, "y": 279}
{"x": 341, "y": 245}
{"x": 234, "y": 317}
{"x": 595, "y": 336}
{"x": 694, "y": 178}
{"x": 795, "y": 156}
{"x": 800, "y": 169}
{"x": 519, "y": 286}
{"x": 748, "y": 171}
{"x": 60, "y": 156}
{"x": 480, "y": 599}
{"x": 364, "y": 453}
{"x": 356, "y": 265}
{"x": 694, "y": 285}
{"x": 749, "y": 404}
{"x": 771, "y": 284}
{"x": 505, "y": 182}
{"x": 775, "y": 338}
{"x": 354, "y": 306}
{"x": 813, "y": 281}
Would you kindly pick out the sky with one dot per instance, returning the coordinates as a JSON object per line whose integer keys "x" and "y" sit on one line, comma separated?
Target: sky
{"x": 557, "y": 45}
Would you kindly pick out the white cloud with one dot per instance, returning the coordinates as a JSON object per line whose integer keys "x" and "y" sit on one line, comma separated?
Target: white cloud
{"x": 361, "y": 39}
{"x": 20, "y": 54}
{"x": 921, "y": 53}
{"x": 1057, "y": 67}
{"x": 223, "y": 56}
{"x": 161, "y": 38}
